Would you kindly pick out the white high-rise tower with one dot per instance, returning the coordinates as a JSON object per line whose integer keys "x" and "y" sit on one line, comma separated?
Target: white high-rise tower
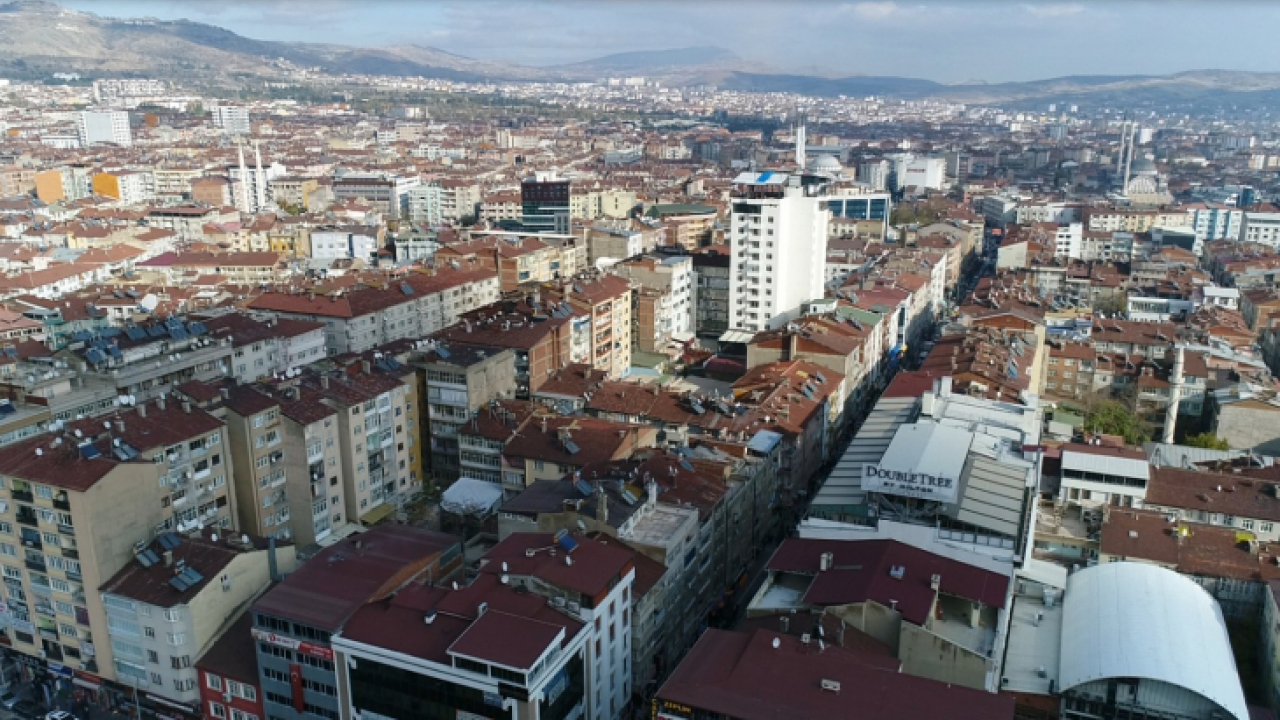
{"x": 778, "y": 239}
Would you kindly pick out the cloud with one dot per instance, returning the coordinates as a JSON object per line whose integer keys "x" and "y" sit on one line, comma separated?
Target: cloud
{"x": 1054, "y": 11}
{"x": 872, "y": 10}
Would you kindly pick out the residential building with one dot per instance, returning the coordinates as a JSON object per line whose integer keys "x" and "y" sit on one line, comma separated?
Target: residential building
{"x": 600, "y": 319}
{"x": 662, "y": 300}
{"x": 461, "y": 380}
{"x": 362, "y": 317}
{"x": 103, "y": 126}
{"x": 232, "y": 119}
{"x": 167, "y": 605}
{"x": 778, "y": 240}
{"x": 362, "y": 242}
{"x": 1262, "y": 228}
{"x": 80, "y": 499}
{"x": 271, "y": 346}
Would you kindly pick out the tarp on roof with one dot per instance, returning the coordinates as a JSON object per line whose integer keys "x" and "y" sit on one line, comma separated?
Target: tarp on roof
{"x": 469, "y": 496}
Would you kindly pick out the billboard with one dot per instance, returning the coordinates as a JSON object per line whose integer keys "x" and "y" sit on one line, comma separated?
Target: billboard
{"x": 908, "y": 483}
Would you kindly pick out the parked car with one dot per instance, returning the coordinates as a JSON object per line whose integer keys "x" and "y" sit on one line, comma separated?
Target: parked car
{"x": 8, "y": 700}
{"x": 59, "y": 715}
{"x": 26, "y": 710}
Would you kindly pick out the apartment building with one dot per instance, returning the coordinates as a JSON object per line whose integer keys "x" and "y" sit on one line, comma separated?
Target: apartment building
{"x": 600, "y": 322}
{"x": 662, "y": 300}
{"x": 1261, "y": 228}
{"x": 166, "y": 606}
{"x": 778, "y": 237}
{"x": 516, "y": 258}
{"x": 76, "y": 503}
{"x": 103, "y": 126}
{"x": 461, "y": 380}
{"x": 362, "y": 317}
{"x": 361, "y": 242}
{"x": 298, "y": 623}
{"x": 538, "y": 334}
{"x": 269, "y": 346}
{"x": 255, "y": 436}
{"x": 388, "y": 192}
{"x": 130, "y": 187}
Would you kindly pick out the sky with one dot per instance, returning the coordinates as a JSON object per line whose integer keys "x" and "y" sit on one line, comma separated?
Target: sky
{"x": 946, "y": 41}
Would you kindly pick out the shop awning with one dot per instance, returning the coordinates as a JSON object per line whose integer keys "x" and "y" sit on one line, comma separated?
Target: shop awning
{"x": 378, "y": 514}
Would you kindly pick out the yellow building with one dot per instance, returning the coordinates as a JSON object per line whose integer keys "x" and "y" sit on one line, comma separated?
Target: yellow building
{"x": 75, "y": 505}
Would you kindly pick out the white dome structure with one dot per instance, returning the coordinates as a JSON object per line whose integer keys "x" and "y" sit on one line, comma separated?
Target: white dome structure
{"x": 825, "y": 164}
{"x": 1150, "y": 639}
{"x": 1144, "y": 166}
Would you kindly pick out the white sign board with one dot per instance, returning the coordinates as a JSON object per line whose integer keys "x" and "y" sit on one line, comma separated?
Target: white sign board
{"x": 906, "y": 483}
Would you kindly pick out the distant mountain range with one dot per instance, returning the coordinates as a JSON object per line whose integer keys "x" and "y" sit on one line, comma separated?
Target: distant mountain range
{"x": 38, "y": 39}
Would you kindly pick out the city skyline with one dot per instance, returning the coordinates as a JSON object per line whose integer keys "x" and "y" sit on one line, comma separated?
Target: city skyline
{"x": 1035, "y": 40}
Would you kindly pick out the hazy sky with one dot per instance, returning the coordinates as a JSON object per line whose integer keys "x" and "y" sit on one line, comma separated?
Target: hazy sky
{"x": 947, "y": 40}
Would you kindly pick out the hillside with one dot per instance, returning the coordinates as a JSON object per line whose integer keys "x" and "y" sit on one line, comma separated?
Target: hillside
{"x": 38, "y": 39}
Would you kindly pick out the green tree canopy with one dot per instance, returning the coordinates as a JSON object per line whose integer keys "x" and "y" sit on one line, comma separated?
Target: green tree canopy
{"x": 1208, "y": 441}
{"x": 1112, "y": 417}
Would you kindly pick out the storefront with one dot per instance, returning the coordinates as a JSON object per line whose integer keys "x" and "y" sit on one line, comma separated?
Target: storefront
{"x": 126, "y": 699}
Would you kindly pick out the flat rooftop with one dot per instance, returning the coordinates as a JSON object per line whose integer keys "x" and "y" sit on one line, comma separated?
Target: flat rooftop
{"x": 1032, "y": 645}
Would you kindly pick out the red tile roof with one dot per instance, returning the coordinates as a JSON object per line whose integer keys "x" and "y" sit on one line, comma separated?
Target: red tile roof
{"x": 860, "y": 572}
{"x": 743, "y": 676}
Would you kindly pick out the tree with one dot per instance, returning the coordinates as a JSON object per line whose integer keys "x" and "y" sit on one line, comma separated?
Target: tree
{"x": 1112, "y": 417}
{"x": 1207, "y": 440}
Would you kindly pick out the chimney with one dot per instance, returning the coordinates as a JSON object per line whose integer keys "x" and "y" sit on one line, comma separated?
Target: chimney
{"x": 160, "y": 403}
{"x": 168, "y": 558}
{"x": 142, "y": 410}
{"x": 120, "y": 426}
{"x": 366, "y": 366}
{"x": 324, "y": 381}
{"x": 785, "y": 621}
{"x": 186, "y": 408}
{"x": 225, "y": 392}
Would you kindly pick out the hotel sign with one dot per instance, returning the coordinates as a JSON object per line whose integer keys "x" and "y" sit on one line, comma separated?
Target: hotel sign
{"x": 905, "y": 483}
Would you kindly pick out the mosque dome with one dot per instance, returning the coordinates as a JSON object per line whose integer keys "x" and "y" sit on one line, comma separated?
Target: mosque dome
{"x": 825, "y": 164}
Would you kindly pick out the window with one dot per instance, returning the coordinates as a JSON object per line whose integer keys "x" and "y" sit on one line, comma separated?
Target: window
{"x": 177, "y": 638}
{"x": 217, "y": 710}
{"x": 149, "y": 632}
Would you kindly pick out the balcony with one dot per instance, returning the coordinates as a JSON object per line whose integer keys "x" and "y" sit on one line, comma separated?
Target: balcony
{"x": 66, "y": 529}
{"x": 62, "y": 504}
{"x": 23, "y": 495}
{"x": 71, "y": 553}
{"x": 37, "y": 565}
{"x": 75, "y": 576}
{"x": 28, "y": 518}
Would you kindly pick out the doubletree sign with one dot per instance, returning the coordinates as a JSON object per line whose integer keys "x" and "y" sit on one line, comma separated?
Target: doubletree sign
{"x": 907, "y": 483}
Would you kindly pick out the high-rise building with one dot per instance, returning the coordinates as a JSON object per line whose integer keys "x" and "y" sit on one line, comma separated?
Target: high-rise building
{"x": 545, "y": 201}
{"x": 104, "y": 126}
{"x": 233, "y": 119}
{"x": 778, "y": 241}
